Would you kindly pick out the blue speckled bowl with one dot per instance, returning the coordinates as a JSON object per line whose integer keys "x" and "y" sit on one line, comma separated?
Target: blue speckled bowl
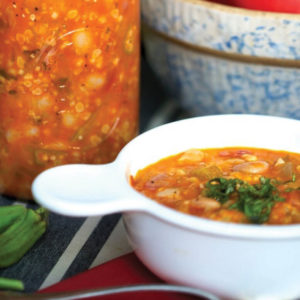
{"x": 225, "y": 28}
{"x": 215, "y": 59}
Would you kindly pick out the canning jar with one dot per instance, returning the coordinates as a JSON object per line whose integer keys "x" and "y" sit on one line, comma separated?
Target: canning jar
{"x": 69, "y": 85}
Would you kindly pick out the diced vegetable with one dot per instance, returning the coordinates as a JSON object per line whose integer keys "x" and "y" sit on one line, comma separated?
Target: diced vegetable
{"x": 285, "y": 171}
{"x": 207, "y": 173}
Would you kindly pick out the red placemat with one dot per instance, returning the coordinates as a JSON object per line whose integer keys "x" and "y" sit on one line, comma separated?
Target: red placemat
{"x": 124, "y": 270}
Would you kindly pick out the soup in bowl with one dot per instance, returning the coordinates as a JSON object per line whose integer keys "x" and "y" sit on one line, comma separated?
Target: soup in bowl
{"x": 240, "y": 185}
{"x": 249, "y": 256}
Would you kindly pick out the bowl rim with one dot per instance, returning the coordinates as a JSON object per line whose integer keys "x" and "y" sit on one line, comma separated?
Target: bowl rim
{"x": 287, "y": 63}
{"x": 243, "y": 11}
{"x": 212, "y": 227}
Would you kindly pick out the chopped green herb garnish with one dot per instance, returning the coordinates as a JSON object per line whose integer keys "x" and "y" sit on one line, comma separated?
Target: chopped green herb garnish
{"x": 255, "y": 201}
{"x": 221, "y": 189}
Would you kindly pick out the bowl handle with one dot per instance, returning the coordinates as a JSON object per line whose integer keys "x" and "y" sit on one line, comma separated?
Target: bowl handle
{"x": 86, "y": 190}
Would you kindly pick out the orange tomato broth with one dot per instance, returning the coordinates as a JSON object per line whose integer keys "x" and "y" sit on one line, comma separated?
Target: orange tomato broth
{"x": 179, "y": 181}
{"x": 69, "y": 85}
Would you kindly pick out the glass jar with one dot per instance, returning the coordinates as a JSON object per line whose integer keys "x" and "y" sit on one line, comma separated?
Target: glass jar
{"x": 69, "y": 85}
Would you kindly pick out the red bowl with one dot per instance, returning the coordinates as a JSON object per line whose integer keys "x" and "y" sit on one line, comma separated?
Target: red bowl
{"x": 283, "y": 6}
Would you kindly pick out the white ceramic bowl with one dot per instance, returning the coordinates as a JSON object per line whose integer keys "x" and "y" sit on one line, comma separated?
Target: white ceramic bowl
{"x": 233, "y": 261}
{"x": 217, "y": 59}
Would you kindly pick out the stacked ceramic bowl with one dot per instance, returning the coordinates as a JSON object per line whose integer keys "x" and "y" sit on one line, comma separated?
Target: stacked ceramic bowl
{"x": 218, "y": 59}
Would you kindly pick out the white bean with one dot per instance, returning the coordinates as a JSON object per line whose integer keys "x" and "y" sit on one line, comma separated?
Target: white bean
{"x": 82, "y": 41}
{"x": 168, "y": 193}
{"x": 252, "y": 167}
{"x": 206, "y": 203}
{"x": 192, "y": 155}
{"x": 95, "y": 81}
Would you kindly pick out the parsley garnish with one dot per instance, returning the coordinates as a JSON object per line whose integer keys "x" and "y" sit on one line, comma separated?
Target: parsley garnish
{"x": 255, "y": 201}
{"x": 221, "y": 189}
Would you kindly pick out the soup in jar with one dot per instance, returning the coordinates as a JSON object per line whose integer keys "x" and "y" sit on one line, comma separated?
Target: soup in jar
{"x": 69, "y": 85}
{"x": 239, "y": 185}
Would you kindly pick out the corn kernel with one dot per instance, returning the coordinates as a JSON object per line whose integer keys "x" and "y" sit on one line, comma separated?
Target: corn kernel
{"x": 95, "y": 140}
{"x": 20, "y": 62}
{"x": 72, "y": 14}
{"x": 102, "y": 20}
{"x": 28, "y": 84}
{"x": 105, "y": 128}
{"x": 116, "y": 61}
{"x": 68, "y": 120}
{"x": 20, "y": 38}
{"x": 37, "y": 91}
{"x": 79, "y": 107}
{"x": 32, "y": 17}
